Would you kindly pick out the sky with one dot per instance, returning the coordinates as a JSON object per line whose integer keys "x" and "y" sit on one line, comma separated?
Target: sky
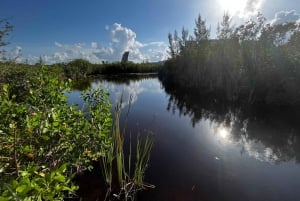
{"x": 101, "y": 30}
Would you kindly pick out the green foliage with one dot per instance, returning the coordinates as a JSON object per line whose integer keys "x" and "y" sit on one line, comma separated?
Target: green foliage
{"x": 225, "y": 30}
{"x": 143, "y": 150}
{"x": 79, "y": 68}
{"x": 44, "y": 141}
{"x": 39, "y": 133}
{"x": 76, "y": 69}
{"x": 129, "y": 67}
{"x": 252, "y": 63}
{"x": 201, "y": 32}
{"x": 37, "y": 183}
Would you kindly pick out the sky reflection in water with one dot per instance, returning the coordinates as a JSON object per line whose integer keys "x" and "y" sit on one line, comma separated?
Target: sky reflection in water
{"x": 213, "y": 159}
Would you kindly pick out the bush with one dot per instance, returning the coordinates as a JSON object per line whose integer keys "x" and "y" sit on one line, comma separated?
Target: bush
{"x": 44, "y": 141}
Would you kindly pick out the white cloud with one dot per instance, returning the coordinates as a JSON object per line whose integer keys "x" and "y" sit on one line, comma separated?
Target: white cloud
{"x": 16, "y": 52}
{"x": 159, "y": 44}
{"x": 129, "y": 92}
{"x": 282, "y": 17}
{"x": 60, "y": 57}
{"x": 154, "y": 51}
{"x": 125, "y": 39}
{"x": 250, "y": 8}
{"x": 258, "y": 150}
{"x": 94, "y": 45}
{"x": 121, "y": 39}
{"x": 66, "y": 53}
{"x": 57, "y": 44}
{"x": 75, "y": 51}
{"x": 13, "y": 54}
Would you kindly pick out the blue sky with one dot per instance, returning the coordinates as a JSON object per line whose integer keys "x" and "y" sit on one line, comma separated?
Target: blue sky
{"x": 61, "y": 30}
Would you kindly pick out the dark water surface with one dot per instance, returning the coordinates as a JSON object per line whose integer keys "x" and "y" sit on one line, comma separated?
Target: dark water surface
{"x": 207, "y": 153}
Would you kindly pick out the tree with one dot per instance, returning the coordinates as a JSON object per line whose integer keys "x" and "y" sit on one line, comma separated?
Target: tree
{"x": 184, "y": 39}
{"x": 40, "y": 61}
{"x": 5, "y": 29}
{"x": 171, "y": 46}
{"x": 225, "y": 30}
{"x": 176, "y": 43}
{"x": 201, "y": 32}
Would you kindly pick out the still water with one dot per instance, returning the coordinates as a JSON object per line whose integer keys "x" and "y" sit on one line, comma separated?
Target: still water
{"x": 202, "y": 153}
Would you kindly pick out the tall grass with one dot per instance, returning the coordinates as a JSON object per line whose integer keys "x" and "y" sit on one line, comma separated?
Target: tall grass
{"x": 124, "y": 173}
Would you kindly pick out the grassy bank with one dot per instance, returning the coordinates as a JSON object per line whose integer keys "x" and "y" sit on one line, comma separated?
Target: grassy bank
{"x": 79, "y": 69}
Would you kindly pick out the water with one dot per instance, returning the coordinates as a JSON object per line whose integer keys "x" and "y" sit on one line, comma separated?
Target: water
{"x": 202, "y": 152}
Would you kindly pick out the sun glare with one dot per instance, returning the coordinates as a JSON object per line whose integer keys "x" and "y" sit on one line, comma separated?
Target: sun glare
{"x": 233, "y": 6}
{"x": 223, "y": 133}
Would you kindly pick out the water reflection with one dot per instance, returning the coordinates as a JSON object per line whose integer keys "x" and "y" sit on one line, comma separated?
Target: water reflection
{"x": 209, "y": 150}
{"x": 82, "y": 84}
{"x": 263, "y": 134}
{"x": 258, "y": 151}
{"x": 223, "y": 133}
{"x": 266, "y": 135}
{"x": 128, "y": 93}
{"x": 121, "y": 88}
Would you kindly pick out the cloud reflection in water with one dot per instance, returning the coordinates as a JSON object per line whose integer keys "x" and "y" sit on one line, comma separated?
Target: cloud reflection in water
{"x": 227, "y": 135}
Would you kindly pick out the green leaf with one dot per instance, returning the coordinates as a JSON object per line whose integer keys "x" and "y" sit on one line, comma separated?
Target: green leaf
{"x": 55, "y": 123}
{"x": 46, "y": 138}
{"x": 63, "y": 167}
{"x": 27, "y": 149}
{"x": 22, "y": 188}
{"x": 5, "y": 87}
{"x": 45, "y": 130}
{"x": 60, "y": 178}
{"x": 24, "y": 173}
{"x": 3, "y": 198}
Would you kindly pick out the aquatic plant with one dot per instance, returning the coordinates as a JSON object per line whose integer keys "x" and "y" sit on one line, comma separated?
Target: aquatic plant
{"x": 127, "y": 169}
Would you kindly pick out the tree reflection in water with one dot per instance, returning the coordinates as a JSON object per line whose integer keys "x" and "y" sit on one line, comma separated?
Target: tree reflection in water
{"x": 265, "y": 133}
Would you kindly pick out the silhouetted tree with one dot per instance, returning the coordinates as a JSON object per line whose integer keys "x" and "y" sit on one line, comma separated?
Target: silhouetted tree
{"x": 5, "y": 29}
{"x": 171, "y": 46}
{"x": 224, "y": 29}
{"x": 255, "y": 62}
{"x": 201, "y": 32}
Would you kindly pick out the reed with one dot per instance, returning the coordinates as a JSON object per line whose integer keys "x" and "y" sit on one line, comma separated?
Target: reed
{"x": 117, "y": 164}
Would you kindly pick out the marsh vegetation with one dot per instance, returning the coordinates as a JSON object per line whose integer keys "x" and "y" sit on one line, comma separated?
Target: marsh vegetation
{"x": 252, "y": 63}
{"x": 45, "y": 142}
{"x": 238, "y": 94}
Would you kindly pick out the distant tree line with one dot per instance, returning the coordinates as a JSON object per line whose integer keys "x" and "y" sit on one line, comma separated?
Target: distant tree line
{"x": 76, "y": 69}
{"x": 256, "y": 62}
{"x": 80, "y": 68}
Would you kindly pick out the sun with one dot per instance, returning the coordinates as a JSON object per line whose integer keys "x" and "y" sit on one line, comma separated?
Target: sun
{"x": 233, "y": 7}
